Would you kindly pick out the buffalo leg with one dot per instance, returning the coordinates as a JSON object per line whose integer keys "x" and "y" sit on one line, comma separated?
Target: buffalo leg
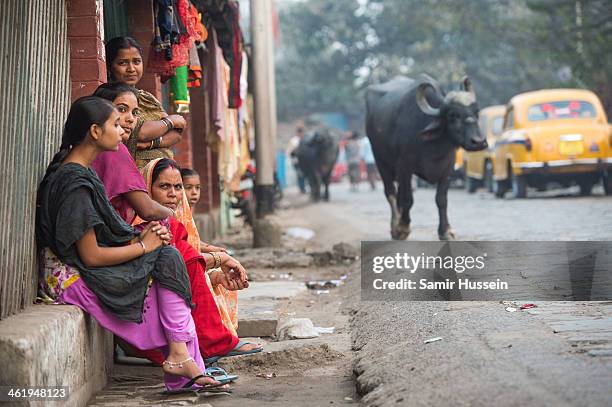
{"x": 405, "y": 204}
{"x": 444, "y": 230}
{"x": 387, "y": 176}
{"x": 315, "y": 187}
{"x": 326, "y": 185}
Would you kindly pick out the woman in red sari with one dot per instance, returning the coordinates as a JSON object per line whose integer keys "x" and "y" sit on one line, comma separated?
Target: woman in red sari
{"x": 206, "y": 270}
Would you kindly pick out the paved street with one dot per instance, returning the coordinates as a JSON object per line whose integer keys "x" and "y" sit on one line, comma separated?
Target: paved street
{"x": 551, "y": 215}
{"x": 556, "y": 354}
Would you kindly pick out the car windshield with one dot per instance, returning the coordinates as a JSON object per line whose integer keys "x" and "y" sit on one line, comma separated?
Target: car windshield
{"x": 566, "y": 109}
{"x": 497, "y": 126}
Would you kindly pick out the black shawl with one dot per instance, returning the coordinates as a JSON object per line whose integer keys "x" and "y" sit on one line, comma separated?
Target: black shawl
{"x": 71, "y": 201}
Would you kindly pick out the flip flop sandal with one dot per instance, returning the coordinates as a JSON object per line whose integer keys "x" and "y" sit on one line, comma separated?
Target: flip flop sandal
{"x": 211, "y": 360}
{"x": 220, "y": 375}
{"x": 245, "y": 352}
{"x": 188, "y": 387}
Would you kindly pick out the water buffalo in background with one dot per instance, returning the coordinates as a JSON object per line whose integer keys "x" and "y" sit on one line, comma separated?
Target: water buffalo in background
{"x": 317, "y": 154}
{"x": 415, "y": 128}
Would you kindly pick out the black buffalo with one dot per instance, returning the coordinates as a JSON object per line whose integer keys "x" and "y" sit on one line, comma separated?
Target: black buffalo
{"x": 415, "y": 128}
{"x": 317, "y": 154}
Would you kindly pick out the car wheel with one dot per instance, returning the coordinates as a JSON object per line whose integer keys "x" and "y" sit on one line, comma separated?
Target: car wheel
{"x": 585, "y": 188}
{"x": 500, "y": 188}
{"x": 519, "y": 186}
{"x": 607, "y": 184}
{"x": 471, "y": 184}
{"x": 488, "y": 176}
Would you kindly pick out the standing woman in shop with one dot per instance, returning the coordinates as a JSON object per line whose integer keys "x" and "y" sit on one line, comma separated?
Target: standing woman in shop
{"x": 156, "y": 131}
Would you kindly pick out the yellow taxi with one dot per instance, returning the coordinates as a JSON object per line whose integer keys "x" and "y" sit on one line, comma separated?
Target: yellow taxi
{"x": 554, "y": 135}
{"x": 479, "y": 164}
{"x": 458, "y": 167}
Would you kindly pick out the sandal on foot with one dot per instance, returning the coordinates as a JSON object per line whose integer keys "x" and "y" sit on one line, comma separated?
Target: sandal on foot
{"x": 233, "y": 352}
{"x": 240, "y": 344}
{"x": 209, "y": 388}
{"x": 220, "y": 375}
{"x": 211, "y": 360}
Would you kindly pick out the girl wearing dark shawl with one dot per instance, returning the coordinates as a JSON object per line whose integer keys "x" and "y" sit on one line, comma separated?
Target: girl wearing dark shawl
{"x": 115, "y": 264}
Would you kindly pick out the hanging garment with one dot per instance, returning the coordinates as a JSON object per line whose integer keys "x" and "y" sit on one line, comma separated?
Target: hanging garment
{"x": 179, "y": 91}
{"x": 224, "y": 17}
{"x": 215, "y": 87}
{"x": 195, "y": 69}
{"x": 181, "y": 43}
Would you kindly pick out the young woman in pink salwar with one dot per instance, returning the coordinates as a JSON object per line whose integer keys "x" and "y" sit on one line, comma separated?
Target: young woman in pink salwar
{"x": 134, "y": 284}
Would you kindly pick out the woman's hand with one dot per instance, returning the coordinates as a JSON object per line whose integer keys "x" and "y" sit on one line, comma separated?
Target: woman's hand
{"x": 232, "y": 275}
{"x": 209, "y": 248}
{"x": 143, "y": 145}
{"x": 153, "y": 236}
{"x": 178, "y": 121}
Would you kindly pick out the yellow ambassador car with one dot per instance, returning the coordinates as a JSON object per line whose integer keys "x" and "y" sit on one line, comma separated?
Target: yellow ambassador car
{"x": 479, "y": 164}
{"x": 556, "y": 135}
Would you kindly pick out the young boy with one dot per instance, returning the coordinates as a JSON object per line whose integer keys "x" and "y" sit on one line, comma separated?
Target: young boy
{"x": 191, "y": 183}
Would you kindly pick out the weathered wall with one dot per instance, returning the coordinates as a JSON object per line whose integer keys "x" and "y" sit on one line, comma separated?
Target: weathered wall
{"x": 35, "y": 96}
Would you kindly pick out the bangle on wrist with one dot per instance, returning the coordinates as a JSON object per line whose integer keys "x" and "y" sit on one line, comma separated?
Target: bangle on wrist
{"x": 144, "y": 248}
{"x": 151, "y": 146}
{"x": 168, "y": 123}
{"x": 217, "y": 260}
{"x": 156, "y": 142}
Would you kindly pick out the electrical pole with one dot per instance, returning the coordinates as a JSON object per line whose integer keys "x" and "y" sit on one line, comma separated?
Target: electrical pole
{"x": 265, "y": 104}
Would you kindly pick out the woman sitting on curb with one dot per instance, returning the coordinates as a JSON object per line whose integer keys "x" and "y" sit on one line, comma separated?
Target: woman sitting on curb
{"x": 134, "y": 285}
{"x": 209, "y": 271}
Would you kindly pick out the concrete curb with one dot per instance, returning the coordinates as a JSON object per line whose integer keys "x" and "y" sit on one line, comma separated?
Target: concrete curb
{"x": 55, "y": 345}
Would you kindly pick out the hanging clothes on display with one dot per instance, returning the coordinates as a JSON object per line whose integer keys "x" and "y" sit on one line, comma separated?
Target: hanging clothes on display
{"x": 195, "y": 69}
{"x": 179, "y": 93}
{"x": 215, "y": 88}
{"x": 224, "y": 16}
{"x": 195, "y": 65}
{"x": 182, "y": 39}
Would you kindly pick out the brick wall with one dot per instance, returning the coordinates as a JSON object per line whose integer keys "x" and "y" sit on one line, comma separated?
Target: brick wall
{"x": 201, "y": 152}
{"x": 184, "y": 153}
{"x": 85, "y": 32}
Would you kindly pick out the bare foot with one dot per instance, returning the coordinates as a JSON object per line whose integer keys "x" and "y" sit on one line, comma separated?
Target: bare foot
{"x": 183, "y": 365}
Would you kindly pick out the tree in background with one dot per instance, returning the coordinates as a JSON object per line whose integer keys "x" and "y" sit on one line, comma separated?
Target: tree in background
{"x": 332, "y": 50}
{"x": 578, "y": 35}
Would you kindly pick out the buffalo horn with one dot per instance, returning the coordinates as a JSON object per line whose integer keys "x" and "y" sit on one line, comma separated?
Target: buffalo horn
{"x": 422, "y": 102}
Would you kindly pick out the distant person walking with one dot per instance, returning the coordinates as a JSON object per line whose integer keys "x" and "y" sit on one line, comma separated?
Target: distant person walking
{"x": 294, "y": 142}
{"x": 368, "y": 158}
{"x": 352, "y": 152}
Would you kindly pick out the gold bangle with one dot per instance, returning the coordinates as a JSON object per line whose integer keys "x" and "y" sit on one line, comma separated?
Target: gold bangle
{"x": 144, "y": 249}
{"x": 217, "y": 260}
